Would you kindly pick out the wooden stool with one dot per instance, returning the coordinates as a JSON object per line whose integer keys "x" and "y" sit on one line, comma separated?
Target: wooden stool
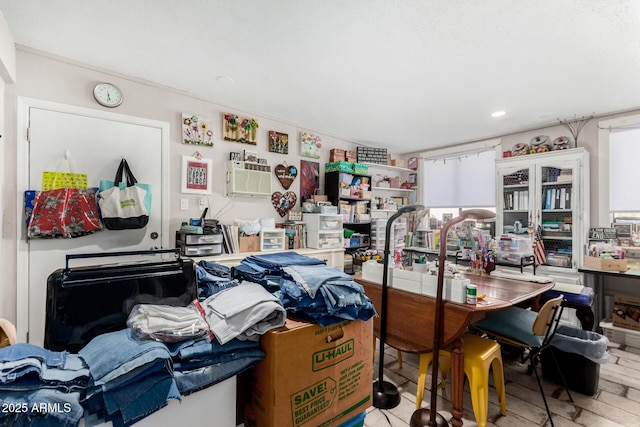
{"x": 479, "y": 355}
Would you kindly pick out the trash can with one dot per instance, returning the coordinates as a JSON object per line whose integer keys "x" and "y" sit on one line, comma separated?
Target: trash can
{"x": 579, "y": 354}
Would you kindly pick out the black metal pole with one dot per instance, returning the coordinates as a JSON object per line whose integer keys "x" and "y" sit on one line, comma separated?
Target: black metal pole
{"x": 385, "y": 394}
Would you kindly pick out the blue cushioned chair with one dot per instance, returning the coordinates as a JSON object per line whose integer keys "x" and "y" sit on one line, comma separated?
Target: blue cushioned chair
{"x": 528, "y": 330}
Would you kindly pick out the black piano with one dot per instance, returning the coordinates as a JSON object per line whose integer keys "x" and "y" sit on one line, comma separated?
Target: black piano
{"x": 84, "y": 302}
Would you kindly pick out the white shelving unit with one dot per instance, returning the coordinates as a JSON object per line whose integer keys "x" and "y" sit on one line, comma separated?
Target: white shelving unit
{"x": 378, "y": 231}
{"x": 400, "y": 190}
{"x": 324, "y": 231}
{"x": 402, "y": 173}
{"x": 550, "y": 190}
{"x": 387, "y": 167}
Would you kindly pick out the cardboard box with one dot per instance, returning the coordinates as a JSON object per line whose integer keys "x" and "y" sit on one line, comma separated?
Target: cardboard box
{"x": 336, "y": 155}
{"x": 626, "y": 312}
{"x": 605, "y": 264}
{"x": 351, "y": 156}
{"x": 412, "y": 163}
{"x": 319, "y": 198}
{"x": 249, "y": 244}
{"x": 311, "y": 375}
{"x": 397, "y": 162}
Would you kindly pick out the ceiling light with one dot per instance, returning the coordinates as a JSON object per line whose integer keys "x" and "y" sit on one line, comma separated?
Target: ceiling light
{"x": 224, "y": 79}
{"x": 498, "y": 114}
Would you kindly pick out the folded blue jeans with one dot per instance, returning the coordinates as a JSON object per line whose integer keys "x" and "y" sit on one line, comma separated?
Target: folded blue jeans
{"x": 271, "y": 264}
{"x": 205, "y": 348}
{"x": 215, "y": 359}
{"x": 140, "y": 399}
{"x": 32, "y": 374}
{"x": 201, "y": 378}
{"x": 215, "y": 269}
{"x": 19, "y": 351}
{"x": 106, "y": 364}
{"x": 311, "y": 278}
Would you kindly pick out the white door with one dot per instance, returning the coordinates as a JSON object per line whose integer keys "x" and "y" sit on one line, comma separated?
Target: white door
{"x": 96, "y": 142}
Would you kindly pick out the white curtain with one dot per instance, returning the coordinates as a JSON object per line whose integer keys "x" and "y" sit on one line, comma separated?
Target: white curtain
{"x": 460, "y": 180}
{"x": 624, "y": 152}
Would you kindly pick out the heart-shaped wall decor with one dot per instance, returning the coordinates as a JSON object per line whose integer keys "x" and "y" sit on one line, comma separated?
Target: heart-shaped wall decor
{"x": 286, "y": 175}
{"x": 283, "y": 203}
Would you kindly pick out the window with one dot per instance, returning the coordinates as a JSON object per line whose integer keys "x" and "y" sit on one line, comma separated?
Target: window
{"x": 460, "y": 179}
{"x": 624, "y": 199}
{"x": 624, "y": 151}
{"x": 615, "y": 139}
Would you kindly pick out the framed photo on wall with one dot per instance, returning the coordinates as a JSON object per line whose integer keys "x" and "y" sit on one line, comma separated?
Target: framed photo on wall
{"x": 309, "y": 179}
{"x": 196, "y": 175}
{"x": 310, "y": 145}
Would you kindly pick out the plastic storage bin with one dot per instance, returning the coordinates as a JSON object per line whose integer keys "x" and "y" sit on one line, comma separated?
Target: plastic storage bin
{"x": 579, "y": 354}
{"x": 272, "y": 240}
{"x": 619, "y": 335}
{"x": 515, "y": 244}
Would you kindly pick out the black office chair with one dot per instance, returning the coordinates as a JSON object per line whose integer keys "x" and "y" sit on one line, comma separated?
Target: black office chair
{"x": 527, "y": 330}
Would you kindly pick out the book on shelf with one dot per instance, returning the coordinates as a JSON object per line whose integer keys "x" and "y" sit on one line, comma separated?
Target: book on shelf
{"x": 295, "y": 231}
{"x": 516, "y": 200}
{"x": 557, "y": 198}
{"x": 230, "y": 236}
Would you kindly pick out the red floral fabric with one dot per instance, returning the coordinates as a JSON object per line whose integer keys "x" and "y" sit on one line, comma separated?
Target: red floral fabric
{"x": 65, "y": 212}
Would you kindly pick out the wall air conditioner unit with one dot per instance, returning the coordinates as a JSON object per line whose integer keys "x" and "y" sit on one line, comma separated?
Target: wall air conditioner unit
{"x": 249, "y": 179}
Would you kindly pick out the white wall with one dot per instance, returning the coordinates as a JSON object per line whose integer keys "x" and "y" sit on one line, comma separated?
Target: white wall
{"x": 42, "y": 76}
{"x": 7, "y": 75}
{"x": 7, "y": 52}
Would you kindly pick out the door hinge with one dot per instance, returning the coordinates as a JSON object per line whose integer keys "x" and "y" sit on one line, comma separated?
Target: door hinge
{"x": 27, "y": 336}
{"x": 28, "y": 134}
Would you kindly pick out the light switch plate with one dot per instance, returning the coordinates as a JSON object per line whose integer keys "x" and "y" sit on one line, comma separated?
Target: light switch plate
{"x": 184, "y": 204}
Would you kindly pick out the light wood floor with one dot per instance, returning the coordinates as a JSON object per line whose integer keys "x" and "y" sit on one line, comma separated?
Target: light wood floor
{"x": 616, "y": 402}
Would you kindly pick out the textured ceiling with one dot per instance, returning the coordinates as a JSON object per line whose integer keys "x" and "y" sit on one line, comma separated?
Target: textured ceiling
{"x": 405, "y": 74}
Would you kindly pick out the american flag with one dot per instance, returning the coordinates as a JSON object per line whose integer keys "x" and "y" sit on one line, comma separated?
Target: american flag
{"x": 538, "y": 247}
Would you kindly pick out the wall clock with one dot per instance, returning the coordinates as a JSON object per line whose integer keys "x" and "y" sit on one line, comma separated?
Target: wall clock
{"x": 107, "y": 94}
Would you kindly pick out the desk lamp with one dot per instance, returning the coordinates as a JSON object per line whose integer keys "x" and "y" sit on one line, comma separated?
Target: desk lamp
{"x": 385, "y": 394}
{"x": 430, "y": 417}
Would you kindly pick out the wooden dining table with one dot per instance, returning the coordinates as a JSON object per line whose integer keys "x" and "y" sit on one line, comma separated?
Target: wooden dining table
{"x": 411, "y": 319}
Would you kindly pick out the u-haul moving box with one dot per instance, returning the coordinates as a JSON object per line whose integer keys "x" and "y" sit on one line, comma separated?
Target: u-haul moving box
{"x": 312, "y": 376}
